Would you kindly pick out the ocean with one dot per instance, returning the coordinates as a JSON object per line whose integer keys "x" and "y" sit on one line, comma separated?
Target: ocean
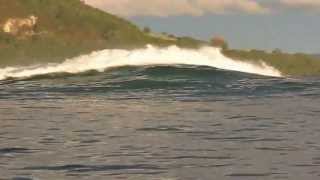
{"x": 127, "y": 115}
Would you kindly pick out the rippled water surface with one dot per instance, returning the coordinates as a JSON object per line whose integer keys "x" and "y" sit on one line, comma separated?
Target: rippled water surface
{"x": 159, "y": 123}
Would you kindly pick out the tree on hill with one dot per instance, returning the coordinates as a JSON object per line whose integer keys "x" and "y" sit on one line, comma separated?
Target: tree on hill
{"x": 277, "y": 51}
{"x": 219, "y": 42}
{"x": 146, "y": 30}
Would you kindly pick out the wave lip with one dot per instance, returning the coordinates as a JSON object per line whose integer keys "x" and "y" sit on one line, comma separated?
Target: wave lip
{"x": 173, "y": 55}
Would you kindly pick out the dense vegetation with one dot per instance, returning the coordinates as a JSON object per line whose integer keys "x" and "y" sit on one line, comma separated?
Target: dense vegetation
{"x": 68, "y": 28}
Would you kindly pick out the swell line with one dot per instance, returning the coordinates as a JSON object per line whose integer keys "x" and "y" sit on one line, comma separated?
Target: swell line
{"x": 173, "y": 55}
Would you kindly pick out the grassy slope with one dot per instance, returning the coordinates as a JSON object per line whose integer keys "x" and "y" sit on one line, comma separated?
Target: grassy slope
{"x": 69, "y": 28}
{"x": 289, "y": 64}
{"x": 316, "y": 56}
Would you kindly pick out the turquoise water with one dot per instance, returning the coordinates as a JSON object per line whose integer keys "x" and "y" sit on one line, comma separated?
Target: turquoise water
{"x": 176, "y": 123}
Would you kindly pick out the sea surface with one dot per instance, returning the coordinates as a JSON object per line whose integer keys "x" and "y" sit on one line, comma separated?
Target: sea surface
{"x": 160, "y": 123}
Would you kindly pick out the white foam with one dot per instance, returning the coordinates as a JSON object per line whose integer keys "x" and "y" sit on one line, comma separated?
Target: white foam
{"x": 102, "y": 60}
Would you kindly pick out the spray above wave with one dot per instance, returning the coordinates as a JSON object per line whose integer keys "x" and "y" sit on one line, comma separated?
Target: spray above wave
{"x": 102, "y": 60}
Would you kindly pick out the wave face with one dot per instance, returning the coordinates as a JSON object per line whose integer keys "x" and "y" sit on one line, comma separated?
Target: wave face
{"x": 149, "y": 56}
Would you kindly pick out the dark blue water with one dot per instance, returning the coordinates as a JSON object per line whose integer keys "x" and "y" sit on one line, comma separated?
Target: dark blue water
{"x": 160, "y": 123}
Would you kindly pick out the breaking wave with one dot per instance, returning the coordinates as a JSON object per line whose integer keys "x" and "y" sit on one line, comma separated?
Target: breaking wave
{"x": 105, "y": 59}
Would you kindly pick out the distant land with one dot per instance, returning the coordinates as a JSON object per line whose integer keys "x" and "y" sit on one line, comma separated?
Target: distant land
{"x": 316, "y": 56}
{"x": 66, "y": 29}
{"x": 38, "y": 31}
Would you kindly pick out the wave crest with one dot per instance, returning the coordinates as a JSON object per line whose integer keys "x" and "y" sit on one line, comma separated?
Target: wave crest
{"x": 173, "y": 55}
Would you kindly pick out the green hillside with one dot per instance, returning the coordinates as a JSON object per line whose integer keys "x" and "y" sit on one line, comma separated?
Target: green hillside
{"x": 288, "y": 64}
{"x": 68, "y": 28}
